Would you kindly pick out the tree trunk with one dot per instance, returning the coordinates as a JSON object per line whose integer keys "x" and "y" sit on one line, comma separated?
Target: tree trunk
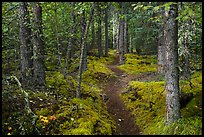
{"x": 38, "y": 62}
{"x": 171, "y": 72}
{"x": 125, "y": 38}
{"x": 71, "y": 41}
{"x": 114, "y": 29}
{"x": 82, "y": 53}
{"x": 83, "y": 27}
{"x": 130, "y": 45}
{"x": 121, "y": 38}
{"x": 125, "y": 30}
{"x": 100, "y": 50}
{"x": 106, "y": 31}
{"x": 161, "y": 48}
{"x": 93, "y": 43}
{"x": 25, "y": 46}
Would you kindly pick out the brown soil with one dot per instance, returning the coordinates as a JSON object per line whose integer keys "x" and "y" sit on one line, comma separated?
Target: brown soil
{"x": 125, "y": 122}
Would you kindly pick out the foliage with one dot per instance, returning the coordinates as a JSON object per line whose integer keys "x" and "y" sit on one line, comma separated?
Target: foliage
{"x": 71, "y": 118}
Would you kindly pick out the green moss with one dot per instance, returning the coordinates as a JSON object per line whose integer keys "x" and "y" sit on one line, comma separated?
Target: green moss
{"x": 135, "y": 64}
{"x": 44, "y": 112}
{"x": 151, "y": 117}
{"x": 184, "y": 126}
{"x": 56, "y": 82}
{"x": 83, "y": 117}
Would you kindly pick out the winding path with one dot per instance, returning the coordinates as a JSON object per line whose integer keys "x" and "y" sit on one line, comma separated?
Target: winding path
{"x": 125, "y": 123}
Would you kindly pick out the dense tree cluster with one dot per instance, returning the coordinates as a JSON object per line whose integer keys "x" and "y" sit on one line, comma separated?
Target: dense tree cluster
{"x": 42, "y": 36}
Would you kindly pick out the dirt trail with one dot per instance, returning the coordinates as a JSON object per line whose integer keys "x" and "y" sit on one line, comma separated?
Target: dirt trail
{"x": 125, "y": 123}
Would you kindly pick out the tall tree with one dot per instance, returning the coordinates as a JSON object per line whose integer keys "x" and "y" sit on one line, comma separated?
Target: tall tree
{"x": 25, "y": 46}
{"x": 161, "y": 48}
{"x": 38, "y": 47}
{"x": 83, "y": 27}
{"x": 71, "y": 41}
{"x": 93, "y": 42}
{"x": 106, "y": 30}
{"x": 125, "y": 29}
{"x": 84, "y": 36}
{"x": 99, "y": 42}
{"x": 121, "y": 35}
{"x": 171, "y": 69}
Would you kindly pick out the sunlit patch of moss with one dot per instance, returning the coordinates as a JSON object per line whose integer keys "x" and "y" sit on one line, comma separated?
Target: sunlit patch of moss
{"x": 81, "y": 110}
{"x": 97, "y": 69}
{"x": 135, "y": 64}
{"x": 195, "y": 87}
{"x": 55, "y": 82}
{"x": 184, "y": 126}
{"x": 146, "y": 101}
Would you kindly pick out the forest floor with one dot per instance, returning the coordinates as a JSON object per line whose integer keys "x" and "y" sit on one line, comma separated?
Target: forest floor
{"x": 125, "y": 122}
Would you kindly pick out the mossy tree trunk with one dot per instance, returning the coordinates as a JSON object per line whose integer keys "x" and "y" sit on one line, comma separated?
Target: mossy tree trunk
{"x": 38, "y": 47}
{"x": 25, "y": 46}
{"x": 171, "y": 72}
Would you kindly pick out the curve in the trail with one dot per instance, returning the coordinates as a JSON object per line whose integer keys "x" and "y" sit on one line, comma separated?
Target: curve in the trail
{"x": 125, "y": 123}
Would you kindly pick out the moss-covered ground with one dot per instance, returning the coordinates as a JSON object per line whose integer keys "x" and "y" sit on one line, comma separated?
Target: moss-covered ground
{"x": 146, "y": 99}
{"x": 58, "y": 112}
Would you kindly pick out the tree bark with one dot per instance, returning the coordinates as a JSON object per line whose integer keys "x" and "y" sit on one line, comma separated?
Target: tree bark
{"x": 82, "y": 53}
{"x": 161, "y": 48}
{"x": 25, "y": 46}
{"x": 106, "y": 31}
{"x": 38, "y": 62}
{"x": 125, "y": 30}
{"x": 93, "y": 43}
{"x": 125, "y": 38}
{"x": 130, "y": 45}
{"x": 121, "y": 37}
{"x": 171, "y": 72}
{"x": 100, "y": 50}
{"x": 71, "y": 41}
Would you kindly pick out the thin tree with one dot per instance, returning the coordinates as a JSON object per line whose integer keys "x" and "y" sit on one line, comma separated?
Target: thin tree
{"x": 161, "y": 48}
{"x": 99, "y": 42}
{"x": 71, "y": 42}
{"x": 84, "y": 36}
{"x": 106, "y": 30}
{"x": 25, "y": 46}
{"x": 171, "y": 69}
{"x": 38, "y": 46}
{"x": 93, "y": 40}
{"x": 121, "y": 35}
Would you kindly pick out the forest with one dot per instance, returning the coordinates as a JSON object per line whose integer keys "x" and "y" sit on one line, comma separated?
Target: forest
{"x": 101, "y": 68}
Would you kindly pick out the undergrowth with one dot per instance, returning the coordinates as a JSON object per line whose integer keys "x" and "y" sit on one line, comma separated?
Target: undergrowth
{"x": 58, "y": 111}
{"x": 146, "y": 101}
{"x": 135, "y": 63}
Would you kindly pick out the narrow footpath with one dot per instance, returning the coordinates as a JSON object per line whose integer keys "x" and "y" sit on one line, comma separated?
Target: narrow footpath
{"x": 125, "y": 123}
